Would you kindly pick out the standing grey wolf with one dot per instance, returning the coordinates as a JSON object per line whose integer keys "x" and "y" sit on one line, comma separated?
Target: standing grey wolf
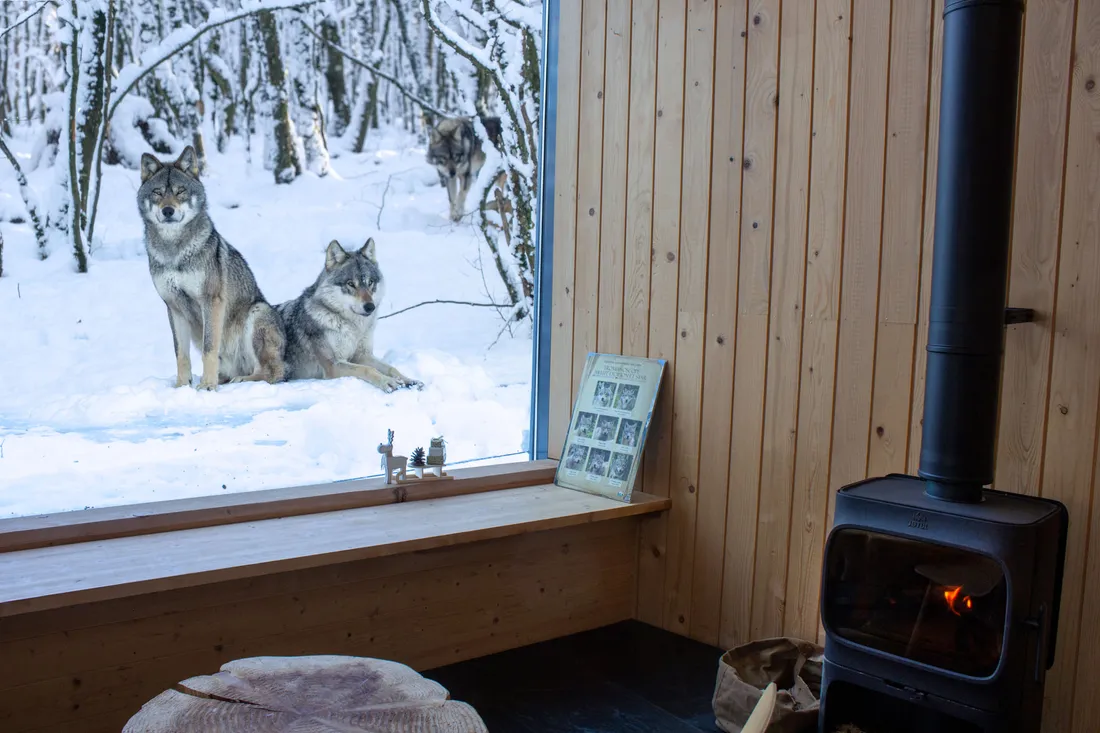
{"x": 455, "y": 151}
{"x": 330, "y": 326}
{"x": 212, "y": 297}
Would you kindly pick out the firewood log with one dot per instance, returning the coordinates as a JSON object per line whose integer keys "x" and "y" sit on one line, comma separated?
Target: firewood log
{"x": 314, "y": 694}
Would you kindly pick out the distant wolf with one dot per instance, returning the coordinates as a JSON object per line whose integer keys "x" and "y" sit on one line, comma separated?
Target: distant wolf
{"x": 455, "y": 151}
{"x": 330, "y": 326}
{"x": 212, "y": 297}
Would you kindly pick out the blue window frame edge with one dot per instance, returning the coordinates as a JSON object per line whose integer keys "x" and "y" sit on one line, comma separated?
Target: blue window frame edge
{"x": 538, "y": 438}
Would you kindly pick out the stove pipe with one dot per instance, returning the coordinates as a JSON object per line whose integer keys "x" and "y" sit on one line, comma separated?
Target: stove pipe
{"x": 981, "y": 68}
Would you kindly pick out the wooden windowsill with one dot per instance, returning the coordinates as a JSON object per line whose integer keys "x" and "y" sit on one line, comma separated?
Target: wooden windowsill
{"x": 24, "y": 533}
{"x": 51, "y": 577}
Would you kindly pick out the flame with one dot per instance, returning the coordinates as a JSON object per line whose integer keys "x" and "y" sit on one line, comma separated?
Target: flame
{"x": 951, "y": 595}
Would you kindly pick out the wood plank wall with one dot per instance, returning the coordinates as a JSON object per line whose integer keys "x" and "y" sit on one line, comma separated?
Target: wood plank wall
{"x": 747, "y": 188}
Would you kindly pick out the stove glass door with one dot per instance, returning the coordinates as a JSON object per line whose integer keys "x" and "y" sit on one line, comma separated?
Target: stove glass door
{"x": 938, "y": 605}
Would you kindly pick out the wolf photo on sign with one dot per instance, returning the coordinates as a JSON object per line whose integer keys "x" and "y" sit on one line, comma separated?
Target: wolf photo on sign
{"x": 607, "y": 431}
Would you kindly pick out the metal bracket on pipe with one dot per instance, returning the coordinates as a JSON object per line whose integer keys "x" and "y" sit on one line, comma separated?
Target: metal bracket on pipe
{"x": 1019, "y": 315}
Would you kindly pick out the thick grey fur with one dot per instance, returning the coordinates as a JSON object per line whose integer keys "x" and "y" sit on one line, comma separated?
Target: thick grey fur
{"x": 455, "y": 151}
{"x": 211, "y": 294}
{"x": 330, "y": 326}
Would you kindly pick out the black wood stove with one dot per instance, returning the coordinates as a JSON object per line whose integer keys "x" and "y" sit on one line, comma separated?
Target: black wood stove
{"x": 940, "y": 597}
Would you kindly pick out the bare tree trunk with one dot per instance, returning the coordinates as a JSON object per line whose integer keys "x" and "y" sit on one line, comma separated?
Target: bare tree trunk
{"x": 334, "y": 78}
{"x": 308, "y": 117}
{"x": 284, "y": 158}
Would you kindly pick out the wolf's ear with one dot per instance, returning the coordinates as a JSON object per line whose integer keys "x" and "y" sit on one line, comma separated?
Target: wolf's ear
{"x": 188, "y": 162}
{"x": 149, "y": 166}
{"x": 367, "y": 250}
{"x": 334, "y": 255}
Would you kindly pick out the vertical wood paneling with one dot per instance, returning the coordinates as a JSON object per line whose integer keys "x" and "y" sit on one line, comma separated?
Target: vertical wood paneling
{"x": 751, "y": 348}
{"x": 639, "y": 176}
{"x": 1069, "y": 470}
{"x": 862, "y": 227}
{"x": 612, "y": 242}
{"x": 916, "y": 406}
{"x": 906, "y": 130}
{"x": 664, "y": 283}
{"x": 825, "y": 238}
{"x": 565, "y": 223}
{"x": 586, "y": 275}
{"x": 690, "y": 312}
{"x": 721, "y": 316}
{"x": 1040, "y": 162}
{"x": 788, "y": 268}
{"x": 770, "y": 233}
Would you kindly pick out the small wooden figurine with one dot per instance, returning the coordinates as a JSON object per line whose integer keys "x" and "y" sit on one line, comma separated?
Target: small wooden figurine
{"x": 397, "y": 468}
{"x": 394, "y": 466}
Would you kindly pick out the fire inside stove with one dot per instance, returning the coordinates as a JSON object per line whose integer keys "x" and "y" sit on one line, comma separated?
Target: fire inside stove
{"x": 932, "y": 604}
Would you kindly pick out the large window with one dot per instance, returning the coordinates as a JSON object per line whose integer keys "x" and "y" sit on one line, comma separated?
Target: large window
{"x": 244, "y": 239}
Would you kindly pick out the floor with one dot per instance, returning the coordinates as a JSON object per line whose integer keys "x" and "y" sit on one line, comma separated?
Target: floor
{"x": 625, "y": 678}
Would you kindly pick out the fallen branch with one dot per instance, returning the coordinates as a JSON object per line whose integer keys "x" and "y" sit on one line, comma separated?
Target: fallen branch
{"x": 28, "y": 199}
{"x": 377, "y": 72}
{"x": 446, "y": 302}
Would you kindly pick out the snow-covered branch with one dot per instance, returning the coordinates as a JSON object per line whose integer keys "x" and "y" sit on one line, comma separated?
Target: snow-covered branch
{"x": 374, "y": 69}
{"x": 27, "y": 15}
{"x": 182, "y": 37}
{"x": 28, "y": 199}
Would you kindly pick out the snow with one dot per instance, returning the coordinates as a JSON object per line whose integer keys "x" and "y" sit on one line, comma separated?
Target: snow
{"x": 88, "y": 414}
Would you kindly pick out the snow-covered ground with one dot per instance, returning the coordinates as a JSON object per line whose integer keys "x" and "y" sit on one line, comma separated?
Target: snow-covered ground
{"x": 88, "y": 413}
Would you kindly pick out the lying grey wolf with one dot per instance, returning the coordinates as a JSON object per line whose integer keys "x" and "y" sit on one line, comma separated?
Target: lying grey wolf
{"x": 330, "y": 326}
{"x": 455, "y": 151}
{"x": 212, "y": 297}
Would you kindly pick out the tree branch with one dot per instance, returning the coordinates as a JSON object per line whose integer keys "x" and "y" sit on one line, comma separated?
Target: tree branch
{"x": 27, "y": 15}
{"x": 28, "y": 200}
{"x": 446, "y": 302}
{"x": 377, "y": 72}
{"x": 467, "y": 51}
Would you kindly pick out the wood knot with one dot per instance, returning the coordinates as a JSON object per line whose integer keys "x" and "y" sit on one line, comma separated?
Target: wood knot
{"x": 660, "y": 113}
{"x": 592, "y": 211}
{"x": 1063, "y": 409}
{"x": 670, "y": 257}
{"x": 744, "y": 33}
{"x": 599, "y": 95}
{"x": 684, "y": 334}
{"x": 756, "y": 225}
{"x": 691, "y": 488}
{"x": 746, "y": 163}
{"x": 1090, "y": 85}
{"x": 721, "y": 339}
{"x": 880, "y": 431}
{"x": 656, "y": 552}
{"x": 756, "y": 19}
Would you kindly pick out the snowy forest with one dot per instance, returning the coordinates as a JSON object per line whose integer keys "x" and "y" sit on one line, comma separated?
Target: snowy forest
{"x": 312, "y": 120}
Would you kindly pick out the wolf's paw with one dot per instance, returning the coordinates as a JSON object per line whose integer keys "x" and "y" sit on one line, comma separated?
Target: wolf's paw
{"x": 181, "y": 382}
{"x": 413, "y": 384}
{"x": 207, "y": 385}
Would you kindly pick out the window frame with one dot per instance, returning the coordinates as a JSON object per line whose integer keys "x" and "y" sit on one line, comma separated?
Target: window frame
{"x": 83, "y": 525}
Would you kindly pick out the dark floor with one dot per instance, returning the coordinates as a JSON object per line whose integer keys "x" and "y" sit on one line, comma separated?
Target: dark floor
{"x": 625, "y": 678}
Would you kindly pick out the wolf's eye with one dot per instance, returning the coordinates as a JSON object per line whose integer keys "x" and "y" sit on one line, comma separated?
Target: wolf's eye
{"x": 158, "y": 191}
{"x": 181, "y": 191}
{"x": 350, "y": 285}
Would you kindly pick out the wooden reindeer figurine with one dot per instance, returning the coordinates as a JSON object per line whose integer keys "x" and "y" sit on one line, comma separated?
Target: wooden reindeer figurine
{"x": 393, "y": 465}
